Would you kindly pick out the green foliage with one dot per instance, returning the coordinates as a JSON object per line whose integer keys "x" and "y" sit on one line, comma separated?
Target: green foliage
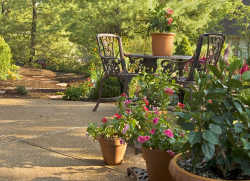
{"x": 22, "y": 90}
{"x": 78, "y": 90}
{"x": 184, "y": 47}
{"x": 5, "y": 59}
{"x": 111, "y": 88}
{"x": 160, "y": 20}
{"x": 217, "y": 118}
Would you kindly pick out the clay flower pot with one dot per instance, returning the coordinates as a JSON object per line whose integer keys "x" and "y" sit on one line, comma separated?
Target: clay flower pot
{"x": 162, "y": 43}
{"x": 157, "y": 163}
{"x": 182, "y": 175}
{"x": 112, "y": 151}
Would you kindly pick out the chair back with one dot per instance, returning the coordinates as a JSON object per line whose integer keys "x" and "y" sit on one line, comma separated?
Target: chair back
{"x": 111, "y": 53}
{"x": 208, "y": 52}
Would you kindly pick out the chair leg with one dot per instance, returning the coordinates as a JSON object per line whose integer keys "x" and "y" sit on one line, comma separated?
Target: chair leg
{"x": 100, "y": 94}
{"x": 126, "y": 86}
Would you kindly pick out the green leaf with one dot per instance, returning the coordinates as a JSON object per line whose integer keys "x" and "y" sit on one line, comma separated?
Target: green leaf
{"x": 215, "y": 71}
{"x": 217, "y": 119}
{"x": 194, "y": 137}
{"x": 246, "y": 168}
{"x": 198, "y": 95}
{"x": 187, "y": 126}
{"x": 234, "y": 65}
{"x": 231, "y": 138}
{"x": 211, "y": 137}
{"x": 245, "y": 143}
{"x": 208, "y": 149}
{"x": 245, "y": 76}
{"x": 215, "y": 128}
{"x": 234, "y": 83}
{"x": 192, "y": 87}
{"x": 238, "y": 106}
{"x": 183, "y": 115}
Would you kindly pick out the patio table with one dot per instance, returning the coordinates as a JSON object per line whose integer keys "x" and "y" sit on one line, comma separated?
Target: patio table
{"x": 150, "y": 63}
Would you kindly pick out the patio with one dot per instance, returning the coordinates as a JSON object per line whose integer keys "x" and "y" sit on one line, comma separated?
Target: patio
{"x": 45, "y": 140}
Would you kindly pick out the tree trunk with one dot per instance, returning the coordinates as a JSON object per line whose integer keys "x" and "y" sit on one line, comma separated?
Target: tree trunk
{"x": 33, "y": 32}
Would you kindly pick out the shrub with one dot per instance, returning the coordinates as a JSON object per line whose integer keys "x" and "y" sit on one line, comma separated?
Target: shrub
{"x": 22, "y": 90}
{"x": 5, "y": 59}
{"x": 184, "y": 47}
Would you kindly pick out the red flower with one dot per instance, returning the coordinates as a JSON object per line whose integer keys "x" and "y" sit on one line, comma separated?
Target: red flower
{"x": 146, "y": 101}
{"x": 180, "y": 105}
{"x": 117, "y": 116}
{"x": 169, "y": 91}
{"x": 145, "y": 108}
{"x": 209, "y": 101}
{"x": 104, "y": 120}
{"x": 123, "y": 95}
{"x": 244, "y": 69}
{"x": 170, "y": 21}
{"x": 88, "y": 79}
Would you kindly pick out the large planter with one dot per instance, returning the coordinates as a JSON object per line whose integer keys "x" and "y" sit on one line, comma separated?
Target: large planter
{"x": 162, "y": 43}
{"x": 157, "y": 163}
{"x": 112, "y": 151}
{"x": 182, "y": 175}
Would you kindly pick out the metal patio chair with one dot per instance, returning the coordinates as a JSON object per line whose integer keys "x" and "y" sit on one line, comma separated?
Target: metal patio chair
{"x": 113, "y": 62}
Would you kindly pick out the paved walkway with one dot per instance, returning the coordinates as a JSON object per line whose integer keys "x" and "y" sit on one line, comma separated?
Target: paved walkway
{"x": 44, "y": 140}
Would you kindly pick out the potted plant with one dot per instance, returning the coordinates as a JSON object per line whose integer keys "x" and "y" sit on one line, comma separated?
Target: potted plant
{"x": 155, "y": 129}
{"x": 113, "y": 136}
{"x": 217, "y": 118}
{"x": 160, "y": 23}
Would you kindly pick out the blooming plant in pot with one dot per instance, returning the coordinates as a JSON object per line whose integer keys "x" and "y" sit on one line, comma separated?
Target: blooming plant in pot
{"x": 160, "y": 22}
{"x": 113, "y": 135}
{"x": 155, "y": 128}
{"x": 217, "y": 118}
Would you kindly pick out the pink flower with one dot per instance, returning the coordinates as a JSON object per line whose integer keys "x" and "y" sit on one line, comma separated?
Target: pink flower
{"x": 123, "y": 95}
{"x": 125, "y": 129}
{"x": 169, "y": 91}
{"x": 168, "y": 133}
{"x": 145, "y": 108}
{"x": 143, "y": 139}
{"x": 122, "y": 142}
{"x": 182, "y": 134}
{"x": 171, "y": 153}
{"x": 128, "y": 111}
{"x": 244, "y": 69}
{"x": 169, "y": 11}
{"x": 88, "y": 79}
{"x": 170, "y": 21}
{"x": 156, "y": 120}
{"x": 152, "y": 131}
{"x": 117, "y": 116}
{"x": 104, "y": 120}
{"x": 180, "y": 105}
{"x": 156, "y": 111}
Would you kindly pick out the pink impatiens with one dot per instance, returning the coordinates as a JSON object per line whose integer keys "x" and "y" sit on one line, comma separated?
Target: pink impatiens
{"x": 152, "y": 131}
{"x": 169, "y": 91}
{"x": 156, "y": 120}
{"x": 143, "y": 139}
{"x": 168, "y": 133}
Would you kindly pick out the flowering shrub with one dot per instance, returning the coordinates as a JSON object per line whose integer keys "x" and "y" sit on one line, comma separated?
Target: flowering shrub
{"x": 159, "y": 19}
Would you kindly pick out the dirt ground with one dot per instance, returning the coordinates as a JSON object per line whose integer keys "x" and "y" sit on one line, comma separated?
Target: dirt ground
{"x": 42, "y": 83}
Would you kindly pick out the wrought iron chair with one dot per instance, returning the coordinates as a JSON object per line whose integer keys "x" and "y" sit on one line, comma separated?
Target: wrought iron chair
{"x": 209, "y": 43}
{"x": 113, "y": 61}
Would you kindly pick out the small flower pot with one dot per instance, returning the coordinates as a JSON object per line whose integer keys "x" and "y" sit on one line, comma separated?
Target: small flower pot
{"x": 112, "y": 151}
{"x": 162, "y": 43}
{"x": 157, "y": 163}
{"x": 182, "y": 175}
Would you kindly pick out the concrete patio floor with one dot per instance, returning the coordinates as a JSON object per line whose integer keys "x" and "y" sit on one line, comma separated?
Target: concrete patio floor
{"x": 45, "y": 140}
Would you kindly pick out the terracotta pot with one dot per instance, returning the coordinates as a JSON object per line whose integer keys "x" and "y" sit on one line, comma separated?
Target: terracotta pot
{"x": 182, "y": 175}
{"x": 112, "y": 151}
{"x": 157, "y": 163}
{"x": 162, "y": 43}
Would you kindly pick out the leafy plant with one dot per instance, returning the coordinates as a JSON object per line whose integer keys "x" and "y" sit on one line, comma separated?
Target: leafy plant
{"x": 217, "y": 118}
{"x": 159, "y": 19}
{"x": 78, "y": 90}
{"x": 5, "y": 59}
{"x": 22, "y": 90}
